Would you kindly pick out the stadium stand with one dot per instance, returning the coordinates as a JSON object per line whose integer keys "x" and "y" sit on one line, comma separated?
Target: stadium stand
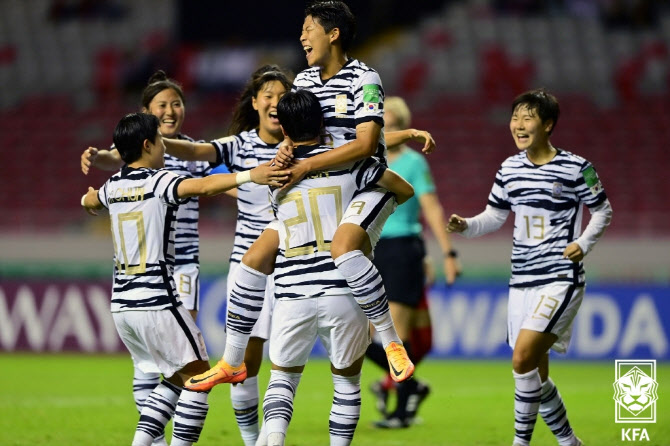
{"x": 64, "y": 85}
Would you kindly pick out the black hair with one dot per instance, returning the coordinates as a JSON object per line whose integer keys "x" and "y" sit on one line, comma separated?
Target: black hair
{"x": 334, "y": 14}
{"x": 244, "y": 116}
{"x": 299, "y": 113}
{"x": 157, "y": 83}
{"x": 541, "y": 102}
{"x": 131, "y": 132}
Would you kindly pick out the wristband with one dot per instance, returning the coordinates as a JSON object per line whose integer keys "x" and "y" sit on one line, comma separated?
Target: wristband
{"x": 452, "y": 253}
{"x": 83, "y": 198}
{"x": 243, "y": 177}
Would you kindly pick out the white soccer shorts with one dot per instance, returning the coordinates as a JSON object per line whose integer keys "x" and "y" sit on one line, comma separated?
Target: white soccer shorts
{"x": 262, "y": 326}
{"x": 187, "y": 279}
{"x": 549, "y": 309}
{"x": 370, "y": 210}
{"x": 337, "y": 320}
{"x": 161, "y": 341}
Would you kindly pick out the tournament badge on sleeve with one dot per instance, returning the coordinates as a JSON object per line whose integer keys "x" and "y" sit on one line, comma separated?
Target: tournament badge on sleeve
{"x": 635, "y": 391}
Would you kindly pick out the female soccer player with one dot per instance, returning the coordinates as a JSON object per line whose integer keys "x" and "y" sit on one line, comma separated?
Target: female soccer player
{"x": 255, "y": 136}
{"x": 164, "y": 98}
{"x": 546, "y": 188}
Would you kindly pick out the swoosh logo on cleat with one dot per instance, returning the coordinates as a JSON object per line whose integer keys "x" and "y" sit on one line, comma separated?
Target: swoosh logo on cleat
{"x": 397, "y": 373}
{"x": 195, "y": 381}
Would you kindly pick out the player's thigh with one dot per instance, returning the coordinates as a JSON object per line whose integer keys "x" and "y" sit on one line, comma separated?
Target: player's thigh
{"x": 294, "y": 331}
{"x": 343, "y": 329}
{"x": 262, "y": 253}
{"x": 545, "y": 309}
{"x": 369, "y": 210}
{"x": 166, "y": 340}
{"x": 187, "y": 279}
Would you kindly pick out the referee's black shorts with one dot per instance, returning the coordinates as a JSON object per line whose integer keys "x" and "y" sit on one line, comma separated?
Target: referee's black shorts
{"x": 400, "y": 263}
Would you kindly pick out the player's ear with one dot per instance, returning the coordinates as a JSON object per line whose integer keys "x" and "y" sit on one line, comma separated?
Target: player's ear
{"x": 254, "y": 104}
{"x": 146, "y": 146}
{"x": 549, "y": 126}
{"x": 334, "y": 34}
{"x": 283, "y": 131}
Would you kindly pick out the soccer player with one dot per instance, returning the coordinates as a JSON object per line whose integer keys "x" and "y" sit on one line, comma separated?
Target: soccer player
{"x": 142, "y": 199}
{"x": 351, "y": 99}
{"x": 545, "y": 187}
{"x": 313, "y": 299}
{"x": 164, "y": 98}
{"x": 255, "y": 136}
{"x": 401, "y": 248}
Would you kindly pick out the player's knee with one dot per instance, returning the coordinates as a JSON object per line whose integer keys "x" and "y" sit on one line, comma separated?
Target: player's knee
{"x": 523, "y": 360}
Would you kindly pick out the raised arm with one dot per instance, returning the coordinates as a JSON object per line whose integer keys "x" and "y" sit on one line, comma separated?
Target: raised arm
{"x": 190, "y": 151}
{"x": 221, "y": 182}
{"x": 102, "y": 159}
{"x": 395, "y": 183}
{"x": 403, "y": 136}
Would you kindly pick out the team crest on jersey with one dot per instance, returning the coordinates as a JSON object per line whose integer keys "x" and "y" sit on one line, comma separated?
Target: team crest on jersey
{"x": 557, "y": 190}
{"x": 341, "y": 104}
{"x": 192, "y": 166}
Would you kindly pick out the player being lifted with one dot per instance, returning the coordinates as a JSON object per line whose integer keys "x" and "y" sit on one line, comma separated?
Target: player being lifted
{"x": 142, "y": 199}
{"x": 351, "y": 99}
{"x": 313, "y": 299}
{"x": 546, "y": 188}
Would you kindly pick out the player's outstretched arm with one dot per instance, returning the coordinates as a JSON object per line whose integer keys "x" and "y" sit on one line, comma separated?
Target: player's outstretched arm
{"x": 221, "y": 182}
{"x": 102, "y": 159}
{"x": 402, "y": 136}
{"x": 190, "y": 151}
{"x": 91, "y": 202}
{"x": 395, "y": 183}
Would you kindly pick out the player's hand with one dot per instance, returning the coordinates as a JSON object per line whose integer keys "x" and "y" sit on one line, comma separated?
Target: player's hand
{"x": 456, "y": 224}
{"x": 426, "y": 138}
{"x": 88, "y": 158}
{"x": 298, "y": 171}
{"x": 86, "y": 201}
{"x": 270, "y": 174}
{"x": 452, "y": 269}
{"x": 284, "y": 156}
{"x": 574, "y": 253}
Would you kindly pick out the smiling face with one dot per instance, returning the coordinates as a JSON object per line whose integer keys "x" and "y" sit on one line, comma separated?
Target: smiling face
{"x": 169, "y": 108}
{"x": 528, "y": 130}
{"x": 316, "y": 42}
{"x": 265, "y": 102}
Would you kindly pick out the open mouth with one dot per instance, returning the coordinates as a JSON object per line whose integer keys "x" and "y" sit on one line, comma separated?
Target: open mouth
{"x": 308, "y": 49}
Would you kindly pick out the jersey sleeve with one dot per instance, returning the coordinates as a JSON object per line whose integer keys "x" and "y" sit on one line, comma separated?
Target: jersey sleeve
{"x": 369, "y": 99}
{"x": 589, "y": 188}
{"x": 165, "y": 187}
{"x": 498, "y": 197}
{"x": 227, "y": 149}
{"x": 103, "y": 196}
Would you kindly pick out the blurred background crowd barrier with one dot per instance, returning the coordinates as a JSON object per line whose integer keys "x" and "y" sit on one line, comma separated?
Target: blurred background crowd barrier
{"x": 69, "y": 69}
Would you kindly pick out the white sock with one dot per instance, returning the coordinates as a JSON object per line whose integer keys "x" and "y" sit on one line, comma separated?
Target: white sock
{"x": 244, "y": 397}
{"x": 554, "y": 414}
{"x": 157, "y": 410}
{"x": 345, "y": 410}
{"x": 189, "y": 417}
{"x": 278, "y": 401}
{"x": 527, "y": 390}
{"x": 368, "y": 290}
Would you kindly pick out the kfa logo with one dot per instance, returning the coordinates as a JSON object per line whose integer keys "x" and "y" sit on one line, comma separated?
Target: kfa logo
{"x": 635, "y": 391}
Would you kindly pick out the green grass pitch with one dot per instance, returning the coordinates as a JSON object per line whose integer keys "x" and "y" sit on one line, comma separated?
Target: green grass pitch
{"x": 86, "y": 400}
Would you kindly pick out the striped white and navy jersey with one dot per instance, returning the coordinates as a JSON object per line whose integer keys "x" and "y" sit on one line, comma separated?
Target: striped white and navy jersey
{"x": 239, "y": 153}
{"x": 352, "y": 97}
{"x": 308, "y": 215}
{"x": 143, "y": 207}
{"x": 547, "y": 201}
{"x": 187, "y": 242}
